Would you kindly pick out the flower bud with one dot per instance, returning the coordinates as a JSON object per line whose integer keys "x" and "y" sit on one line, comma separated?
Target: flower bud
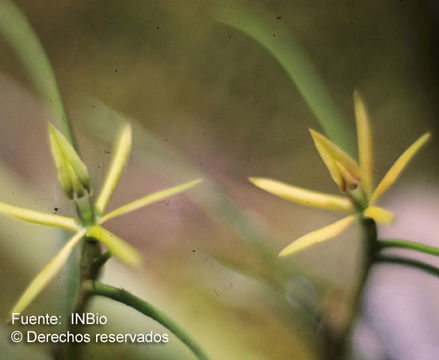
{"x": 72, "y": 172}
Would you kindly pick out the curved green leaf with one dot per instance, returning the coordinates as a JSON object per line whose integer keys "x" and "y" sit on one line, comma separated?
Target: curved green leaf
{"x": 299, "y": 68}
{"x": 16, "y": 29}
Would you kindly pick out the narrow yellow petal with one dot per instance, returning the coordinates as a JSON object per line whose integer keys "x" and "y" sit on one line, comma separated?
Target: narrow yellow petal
{"x": 318, "y": 236}
{"x": 380, "y": 215}
{"x": 39, "y": 217}
{"x": 47, "y": 274}
{"x": 116, "y": 245}
{"x": 399, "y": 165}
{"x": 148, "y": 199}
{"x": 121, "y": 152}
{"x": 303, "y": 196}
{"x": 365, "y": 151}
{"x": 331, "y": 153}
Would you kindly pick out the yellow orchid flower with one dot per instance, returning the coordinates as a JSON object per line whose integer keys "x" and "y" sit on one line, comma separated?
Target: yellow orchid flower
{"x": 73, "y": 176}
{"x": 355, "y": 181}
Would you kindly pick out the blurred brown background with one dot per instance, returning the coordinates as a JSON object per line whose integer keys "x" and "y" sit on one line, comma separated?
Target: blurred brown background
{"x": 214, "y": 97}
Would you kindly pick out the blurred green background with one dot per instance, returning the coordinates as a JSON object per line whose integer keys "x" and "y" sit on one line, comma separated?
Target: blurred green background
{"x": 210, "y": 101}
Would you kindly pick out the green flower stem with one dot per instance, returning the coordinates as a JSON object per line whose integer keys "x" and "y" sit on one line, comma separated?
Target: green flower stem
{"x": 90, "y": 253}
{"x": 339, "y": 346}
{"x": 405, "y": 244}
{"x": 147, "y": 309}
{"x": 399, "y": 260}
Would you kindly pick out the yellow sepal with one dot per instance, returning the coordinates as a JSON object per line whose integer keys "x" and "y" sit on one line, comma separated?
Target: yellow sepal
{"x": 380, "y": 215}
{"x": 148, "y": 199}
{"x": 47, "y": 274}
{"x": 365, "y": 152}
{"x": 121, "y": 152}
{"x": 118, "y": 247}
{"x": 318, "y": 236}
{"x": 38, "y": 217}
{"x": 398, "y": 166}
{"x": 303, "y": 196}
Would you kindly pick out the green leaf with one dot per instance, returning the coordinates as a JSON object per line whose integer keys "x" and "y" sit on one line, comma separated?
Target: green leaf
{"x": 39, "y": 217}
{"x": 16, "y": 29}
{"x": 72, "y": 172}
{"x": 116, "y": 245}
{"x": 47, "y": 274}
{"x": 121, "y": 153}
{"x": 148, "y": 199}
{"x": 299, "y": 68}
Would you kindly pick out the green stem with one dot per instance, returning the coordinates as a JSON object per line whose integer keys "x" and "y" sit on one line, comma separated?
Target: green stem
{"x": 149, "y": 310}
{"x": 430, "y": 269}
{"x": 97, "y": 265}
{"x": 405, "y": 244}
{"x": 369, "y": 233}
{"x": 90, "y": 254}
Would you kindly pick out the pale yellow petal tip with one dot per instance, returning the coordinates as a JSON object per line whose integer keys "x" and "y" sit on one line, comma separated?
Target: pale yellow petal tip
{"x": 133, "y": 258}
{"x": 127, "y": 128}
{"x": 256, "y": 180}
{"x": 135, "y": 261}
{"x": 191, "y": 184}
{"x": 196, "y": 182}
{"x": 126, "y": 134}
{"x": 286, "y": 252}
{"x": 51, "y": 127}
{"x": 265, "y": 184}
{"x": 314, "y": 134}
{"x": 426, "y": 137}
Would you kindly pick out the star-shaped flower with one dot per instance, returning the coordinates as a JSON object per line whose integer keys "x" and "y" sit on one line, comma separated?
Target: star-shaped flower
{"x": 355, "y": 181}
{"x": 75, "y": 181}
